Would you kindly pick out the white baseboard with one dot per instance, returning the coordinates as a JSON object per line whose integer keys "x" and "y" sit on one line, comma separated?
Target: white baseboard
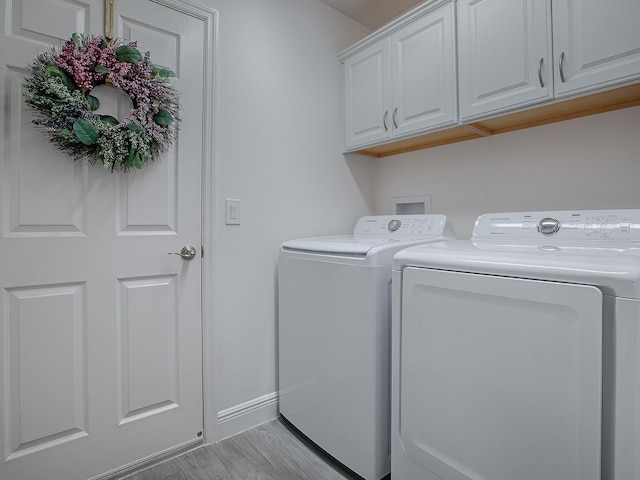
{"x": 247, "y": 415}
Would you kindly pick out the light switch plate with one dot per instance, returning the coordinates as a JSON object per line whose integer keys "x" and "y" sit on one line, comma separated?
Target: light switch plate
{"x": 232, "y": 211}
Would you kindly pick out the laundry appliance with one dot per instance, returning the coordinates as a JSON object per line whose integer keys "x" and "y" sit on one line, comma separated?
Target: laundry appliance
{"x": 334, "y": 345}
{"x": 516, "y": 353}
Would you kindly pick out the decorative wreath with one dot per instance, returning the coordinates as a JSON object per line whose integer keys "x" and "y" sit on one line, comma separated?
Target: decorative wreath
{"x": 59, "y": 89}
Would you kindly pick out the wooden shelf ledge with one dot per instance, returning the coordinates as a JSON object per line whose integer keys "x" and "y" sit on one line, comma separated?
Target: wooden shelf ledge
{"x": 615, "y": 99}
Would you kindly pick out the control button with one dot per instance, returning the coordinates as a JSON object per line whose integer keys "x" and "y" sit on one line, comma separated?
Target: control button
{"x": 548, "y": 226}
{"x": 393, "y": 225}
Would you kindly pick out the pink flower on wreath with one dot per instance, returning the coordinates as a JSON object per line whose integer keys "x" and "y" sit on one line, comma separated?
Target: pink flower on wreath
{"x": 80, "y": 63}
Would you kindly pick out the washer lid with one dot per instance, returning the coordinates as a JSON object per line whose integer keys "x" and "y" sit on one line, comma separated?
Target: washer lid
{"x": 340, "y": 245}
{"x": 600, "y": 248}
{"x": 384, "y": 231}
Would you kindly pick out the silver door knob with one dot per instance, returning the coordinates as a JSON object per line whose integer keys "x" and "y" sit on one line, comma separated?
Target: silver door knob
{"x": 188, "y": 252}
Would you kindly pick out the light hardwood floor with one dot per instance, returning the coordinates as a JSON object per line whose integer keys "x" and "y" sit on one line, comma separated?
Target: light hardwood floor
{"x": 271, "y": 451}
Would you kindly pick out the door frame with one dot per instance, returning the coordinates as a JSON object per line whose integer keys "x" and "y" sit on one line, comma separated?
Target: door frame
{"x": 209, "y": 17}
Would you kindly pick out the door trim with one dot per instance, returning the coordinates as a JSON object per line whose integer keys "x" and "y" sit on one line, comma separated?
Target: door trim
{"x": 209, "y": 17}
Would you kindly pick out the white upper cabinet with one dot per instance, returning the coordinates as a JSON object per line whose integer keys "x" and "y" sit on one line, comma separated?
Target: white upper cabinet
{"x": 423, "y": 73}
{"x": 596, "y": 44}
{"x": 516, "y": 53}
{"x": 504, "y": 55}
{"x": 405, "y": 82}
{"x": 452, "y": 70}
{"x": 368, "y": 95}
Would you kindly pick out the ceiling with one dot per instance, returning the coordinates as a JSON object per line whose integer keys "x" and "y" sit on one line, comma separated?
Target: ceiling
{"x": 372, "y": 13}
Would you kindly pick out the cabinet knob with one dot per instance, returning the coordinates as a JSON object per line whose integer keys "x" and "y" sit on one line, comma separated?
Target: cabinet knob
{"x": 562, "y": 67}
{"x": 395, "y": 114}
{"x": 384, "y": 121}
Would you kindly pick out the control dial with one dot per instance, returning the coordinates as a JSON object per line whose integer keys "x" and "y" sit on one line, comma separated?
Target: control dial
{"x": 394, "y": 225}
{"x": 548, "y": 226}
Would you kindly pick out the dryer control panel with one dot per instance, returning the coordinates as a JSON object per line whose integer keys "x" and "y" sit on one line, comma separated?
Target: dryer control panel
{"x": 603, "y": 226}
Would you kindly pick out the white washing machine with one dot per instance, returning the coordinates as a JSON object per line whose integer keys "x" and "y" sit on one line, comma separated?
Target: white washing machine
{"x": 334, "y": 346}
{"x": 516, "y": 353}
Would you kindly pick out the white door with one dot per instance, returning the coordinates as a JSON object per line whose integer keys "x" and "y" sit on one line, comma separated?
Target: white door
{"x": 368, "y": 95}
{"x": 423, "y": 73}
{"x": 595, "y": 44}
{"x": 499, "y": 378}
{"x": 504, "y": 52}
{"x": 100, "y": 329}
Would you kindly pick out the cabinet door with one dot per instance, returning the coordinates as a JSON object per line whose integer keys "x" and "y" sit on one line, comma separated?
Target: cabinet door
{"x": 367, "y": 95}
{"x": 423, "y": 73}
{"x": 504, "y": 55}
{"x": 596, "y": 44}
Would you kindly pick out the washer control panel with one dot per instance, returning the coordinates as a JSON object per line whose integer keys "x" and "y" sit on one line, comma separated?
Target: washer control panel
{"x": 401, "y": 226}
{"x": 609, "y": 226}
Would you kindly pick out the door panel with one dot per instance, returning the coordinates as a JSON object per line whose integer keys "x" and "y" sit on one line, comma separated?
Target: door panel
{"x": 45, "y": 335}
{"x": 367, "y": 96}
{"x": 500, "y": 378}
{"x": 424, "y": 74}
{"x": 49, "y": 21}
{"x": 504, "y": 46}
{"x": 100, "y": 329}
{"x": 599, "y": 43}
{"x": 148, "y": 370}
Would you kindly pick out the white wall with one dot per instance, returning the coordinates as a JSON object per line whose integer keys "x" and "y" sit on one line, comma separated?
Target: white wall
{"x": 279, "y": 141}
{"x": 585, "y": 163}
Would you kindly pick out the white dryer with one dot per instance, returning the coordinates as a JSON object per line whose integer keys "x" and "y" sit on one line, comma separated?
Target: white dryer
{"x": 334, "y": 345}
{"x": 516, "y": 354}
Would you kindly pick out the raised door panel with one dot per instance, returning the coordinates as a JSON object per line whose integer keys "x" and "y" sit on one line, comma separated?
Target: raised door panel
{"x": 596, "y": 44}
{"x": 367, "y": 95}
{"x": 45, "y": 367}
{"x": 504, "y": 54}
{"x": 423, "y": 73}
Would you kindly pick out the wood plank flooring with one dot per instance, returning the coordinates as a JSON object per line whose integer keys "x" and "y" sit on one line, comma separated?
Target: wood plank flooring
{"x": 272, "y": 451}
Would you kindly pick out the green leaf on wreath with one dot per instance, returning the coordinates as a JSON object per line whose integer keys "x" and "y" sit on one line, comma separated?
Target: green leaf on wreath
{"x": 77, "y": 39}
{"x": 134, "y": 126}
{"x": 103, "y": 44}
{"x": 133, "y": 160}
{"x": 162, "y": 71}
{"x": 66, "y": 133}
{"x": 101, "y": 69}
{"x": 53, "y": 71}
{"x": 126, "y": 53}
{"x": 94, "y": 102}
{"x": 163, "y": 118}
{"x": 85, "y": 132}
{"x": 109, "y": 119}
